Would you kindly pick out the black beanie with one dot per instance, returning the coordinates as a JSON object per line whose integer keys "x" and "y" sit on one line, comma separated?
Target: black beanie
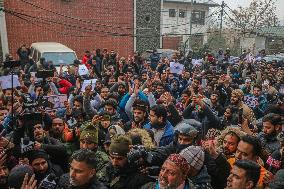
{"x": 37, "y": 154}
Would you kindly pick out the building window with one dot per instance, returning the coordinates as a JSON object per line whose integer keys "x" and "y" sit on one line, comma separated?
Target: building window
{"x": 182, "y": 13}
{"x": 172, "y": 12}
{"x": 198, "y": 17}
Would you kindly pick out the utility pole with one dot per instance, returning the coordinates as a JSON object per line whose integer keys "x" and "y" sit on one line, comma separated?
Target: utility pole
{"x": 222, "y": 14}
{"x": 190, "y": 22}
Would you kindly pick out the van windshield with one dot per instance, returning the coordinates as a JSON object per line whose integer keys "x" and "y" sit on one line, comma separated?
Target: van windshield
{"x": 65, "y": 58}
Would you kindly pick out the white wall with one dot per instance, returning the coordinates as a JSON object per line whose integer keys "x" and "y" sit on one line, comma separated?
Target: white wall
{"x": 3, "y": 32}
{"x": 180, "y": 25}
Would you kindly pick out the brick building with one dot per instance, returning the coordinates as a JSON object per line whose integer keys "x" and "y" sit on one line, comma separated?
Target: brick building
{"x": 81, "y": 25}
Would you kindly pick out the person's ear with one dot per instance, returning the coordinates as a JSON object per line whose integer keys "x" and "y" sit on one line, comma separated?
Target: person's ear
{"x": 160, "y": 119}
{"x": 249, "y": 184}
{"x": 278, "y": 128}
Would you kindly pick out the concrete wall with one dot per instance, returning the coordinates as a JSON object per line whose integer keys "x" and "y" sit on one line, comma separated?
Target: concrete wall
{"x": 182, "y": 25}
{"x": 148, "y": 17}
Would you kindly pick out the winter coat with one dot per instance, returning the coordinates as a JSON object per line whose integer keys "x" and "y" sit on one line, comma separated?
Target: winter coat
{"x": 270, "y": 143}
{"x": 207, "y": 118}
{"x": 64, "y": 183}
{"x": 168, "y": 134}
{"x": 126, "y": 178}
{"x": 64, "y": 86}
{"x": 202, "y": 180}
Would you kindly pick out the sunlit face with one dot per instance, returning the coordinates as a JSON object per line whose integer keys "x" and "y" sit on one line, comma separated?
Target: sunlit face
{"x": 237, "y": 179}
{"x": 230, "y": 144}
{"x": 245, "y": 151}
{"x": 138, "y": 115}
{"x": 170, "y": 176}
{"x": 234, "y": 99}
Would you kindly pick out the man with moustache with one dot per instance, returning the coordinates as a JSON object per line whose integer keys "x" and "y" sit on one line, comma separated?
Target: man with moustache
{"x": 139, "y": 114}
{"x": 244, "y": 175}
{"x": 42, "y": 166}
{"x": 228, "y": 141}
{"x": 271, "y": 128}
{"x": 173, "y": 175}
{"x": 236, "y": 101}
{"x": 162, "y": 128}
{"x": 67, "y": 136}
{"x": 52, "y": 146}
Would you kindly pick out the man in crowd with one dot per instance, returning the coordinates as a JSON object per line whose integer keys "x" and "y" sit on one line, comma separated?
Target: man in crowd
{"x": 162, "y": 128}
{"x": 120, "y": 174}
{"x": 173, "y": 174}
{"x": 42, "y": 166}
{"x": 271, "y": 128}
{"x": 89, "y": 140}
{"x": 249, "y": 148}
{"x": 244, "y": 175}
{"x": 82, "y": 172}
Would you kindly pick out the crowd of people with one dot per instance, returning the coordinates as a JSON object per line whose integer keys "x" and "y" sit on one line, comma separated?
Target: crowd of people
{"x": 143, "y": 123}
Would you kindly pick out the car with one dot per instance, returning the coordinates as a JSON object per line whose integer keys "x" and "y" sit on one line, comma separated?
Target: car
{"x": 58, "y": 53}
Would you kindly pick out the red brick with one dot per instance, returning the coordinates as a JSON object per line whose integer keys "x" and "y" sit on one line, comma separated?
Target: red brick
{"x": 115, "y": 13}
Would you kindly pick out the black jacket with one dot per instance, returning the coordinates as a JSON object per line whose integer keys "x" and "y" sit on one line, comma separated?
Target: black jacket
{"x": 64, "y": 183}
{"x": 207, "y": 118}
{"x": 128, "y": 178}
{"x": 56, "y": 150}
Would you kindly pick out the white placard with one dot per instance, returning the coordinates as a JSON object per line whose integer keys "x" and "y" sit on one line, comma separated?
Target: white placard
{"x": 88, "y": 82}
{"x": 56, "y": 101}
{"x": 6, "y": 81}
{"x": 176, "y": 67}
{"x": 83, "y": 70}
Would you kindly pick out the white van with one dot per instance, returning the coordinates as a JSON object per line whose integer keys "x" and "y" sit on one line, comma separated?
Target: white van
{"x": 52, "y": 51}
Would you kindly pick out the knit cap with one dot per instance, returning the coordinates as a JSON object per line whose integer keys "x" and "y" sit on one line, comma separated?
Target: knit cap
{"x": 120, "y": 146}
{"x": 179, "y": 161}
{"x": 90, "y": 133}
{"x": 194, "y": 156}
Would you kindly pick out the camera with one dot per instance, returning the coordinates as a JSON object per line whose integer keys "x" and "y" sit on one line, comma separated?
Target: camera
{"x": 48, "y": 182}
{"x": 45, "y": 74}
{"x": 136, "y": 153}
{"x": 30, "y": 116}
{"x": 72, "y": 123}
{"x": 26, "y": 145}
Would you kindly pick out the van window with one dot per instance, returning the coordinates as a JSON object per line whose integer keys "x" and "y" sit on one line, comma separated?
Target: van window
{"x": 35, "y": 55}
{"x": 57, "y": 58}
